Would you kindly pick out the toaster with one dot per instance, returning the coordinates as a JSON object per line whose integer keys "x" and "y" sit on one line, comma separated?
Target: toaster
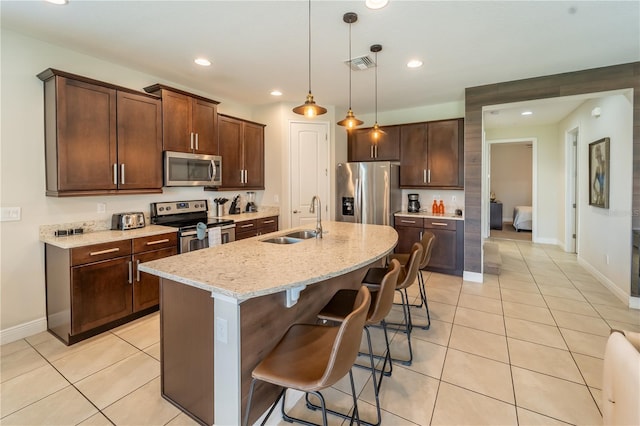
{"x": 124, "y": 221}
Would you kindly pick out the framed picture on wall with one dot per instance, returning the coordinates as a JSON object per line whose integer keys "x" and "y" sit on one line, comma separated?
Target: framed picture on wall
{"x": 599, "y": 174}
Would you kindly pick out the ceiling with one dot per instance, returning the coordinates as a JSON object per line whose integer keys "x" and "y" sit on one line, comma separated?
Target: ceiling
{"x": 258, "y": 46}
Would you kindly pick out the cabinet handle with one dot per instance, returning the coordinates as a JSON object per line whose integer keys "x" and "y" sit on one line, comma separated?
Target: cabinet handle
{"x": 421, "y": 234}
{"x": 371, "y": 149}
{"x": 407, "y": 221}
{"x": 249, "y": 225}
{"x": 424, "y": 175}
{"x": 241, "y": 176}
{"x": 150, "y": 243}
{"x": 137, "y": 270}
{"x": 191, "y": 140}
{"x": 115, "y": 173}
{"x": 122, "y": 173}
{"x": 197, "y": 142}
{"x": 429, "y": 179}
{"x": 375, "y": 150}
{"x": 268, "y": 221}
{"x": 439, "y": 224}
{"x": 98, "y": 253}
{"x": 130, "y": 272}
{"x": 246, "y": 176}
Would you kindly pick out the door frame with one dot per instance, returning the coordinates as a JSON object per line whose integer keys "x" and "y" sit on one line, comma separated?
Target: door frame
{"x": 571, "y": 194}
{"x": 328, "y": 202}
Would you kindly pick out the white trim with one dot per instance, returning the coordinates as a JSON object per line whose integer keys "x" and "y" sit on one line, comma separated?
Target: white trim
{"x": 617, "y": 291}
{"x": 634, "y": 302}
{"x": 21, "y": 331}
{"x": 475, "y": 277}
{"x": 571, "y": 168}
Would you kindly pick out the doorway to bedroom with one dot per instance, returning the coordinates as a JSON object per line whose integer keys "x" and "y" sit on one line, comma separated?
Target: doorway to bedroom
{"x": 511, "y": 180}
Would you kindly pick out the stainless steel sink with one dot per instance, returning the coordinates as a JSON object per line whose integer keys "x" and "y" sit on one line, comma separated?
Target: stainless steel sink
{"x": 302, "y": 235}
{"x": 282, "y": 240}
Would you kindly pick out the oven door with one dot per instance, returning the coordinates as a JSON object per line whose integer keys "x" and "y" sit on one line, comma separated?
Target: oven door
{"x": 189, "y": 240}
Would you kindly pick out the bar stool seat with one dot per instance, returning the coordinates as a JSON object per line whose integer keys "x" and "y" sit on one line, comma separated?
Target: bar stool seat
{"x": 312, "y": 357}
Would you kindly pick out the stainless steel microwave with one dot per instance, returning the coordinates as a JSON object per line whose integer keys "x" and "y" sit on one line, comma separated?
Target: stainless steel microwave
{"x": 185, "y": 169}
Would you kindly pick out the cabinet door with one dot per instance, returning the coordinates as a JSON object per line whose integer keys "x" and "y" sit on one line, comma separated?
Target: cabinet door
{"x": 139, "y": 142}
{"x": 445, "y": 154}
{"x": 146, "y": 287}
{"x": 267, "y": 224}
{"x": 176, "y": 122}
{"x": 407, "y": 235}
{"x": 205, "y": 119}
{"x": 230, "y": 144}
{"x": 388, "y": 145}
{"x": 253, "y": 155}
{"x": 359, "y": 145}
{"x": 100, "y": 293}
{"x": 413, "y": 155}
{"x": 443, "y": 254}
{"x": 86, "y": 145}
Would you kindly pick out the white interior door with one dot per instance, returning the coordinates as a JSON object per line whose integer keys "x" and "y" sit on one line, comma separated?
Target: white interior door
{"x": 309, "y": 170}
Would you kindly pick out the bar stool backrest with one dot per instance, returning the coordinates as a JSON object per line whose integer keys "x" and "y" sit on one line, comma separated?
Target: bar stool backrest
{"x": 410, "y": 270}
{"x": 347, "y": 343}
{"x": 427, "y": 241}
{"x": 384, "y": 300}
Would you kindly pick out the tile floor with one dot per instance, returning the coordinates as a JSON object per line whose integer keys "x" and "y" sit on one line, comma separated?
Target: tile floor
{"x": 525, "y": 347}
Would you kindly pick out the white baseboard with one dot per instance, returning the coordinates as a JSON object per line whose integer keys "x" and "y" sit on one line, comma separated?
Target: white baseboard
{"x": 475, "y": 277}
{"x": 617, "y": 291}
{"x": 21, "y": 331}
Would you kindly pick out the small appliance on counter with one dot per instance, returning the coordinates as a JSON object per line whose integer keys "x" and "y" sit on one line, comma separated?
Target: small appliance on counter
{"x": 414, "y": 203}
{"x": 251, "y": 203}
{"x": 235, "y": 207}
{"x": 124, "y": 221}
{"x": 220, "y": 206}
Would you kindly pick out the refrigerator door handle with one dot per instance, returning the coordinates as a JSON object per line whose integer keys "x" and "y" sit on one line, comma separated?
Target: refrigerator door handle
{"x": 358, "y": 202}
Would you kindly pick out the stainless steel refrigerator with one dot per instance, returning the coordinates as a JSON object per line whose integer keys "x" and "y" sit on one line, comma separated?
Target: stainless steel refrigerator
{"x": 368, "y": 192}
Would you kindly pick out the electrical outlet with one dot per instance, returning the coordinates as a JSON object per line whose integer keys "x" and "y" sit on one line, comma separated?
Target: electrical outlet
{"x": 607, "y": 258}
{"x": 10, "y": 214}
{"x": 102, "y": 208}
{"x": 453, "y": 198}
{"x": 222, "y": 330}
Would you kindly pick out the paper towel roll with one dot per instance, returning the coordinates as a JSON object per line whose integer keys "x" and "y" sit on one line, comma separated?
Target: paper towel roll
{"x": 215, "y": 236}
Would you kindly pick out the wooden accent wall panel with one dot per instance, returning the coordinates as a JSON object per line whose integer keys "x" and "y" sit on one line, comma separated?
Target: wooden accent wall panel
{"x": 625, "y": 76}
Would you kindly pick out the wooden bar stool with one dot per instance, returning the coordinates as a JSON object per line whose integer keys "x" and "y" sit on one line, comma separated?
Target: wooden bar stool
{"x": 407, "y": 276}
{"x": 428, "y": 239}
{"x": 312, "y": 357}
{"x": 339, "y": 307}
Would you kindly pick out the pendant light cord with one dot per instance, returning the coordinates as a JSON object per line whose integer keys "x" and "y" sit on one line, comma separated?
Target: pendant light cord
{"x": 350, "y": 65}
{"x": 376, "y": 92}
{"x": 309, "y": 39}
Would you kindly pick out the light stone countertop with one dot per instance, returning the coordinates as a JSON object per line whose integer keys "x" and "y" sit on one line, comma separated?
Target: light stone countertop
{"x": 262, "y": 212}
{"x": 73, "y": 241}
{"x": 250, "y": 268}
{"x": 429, "y": 215}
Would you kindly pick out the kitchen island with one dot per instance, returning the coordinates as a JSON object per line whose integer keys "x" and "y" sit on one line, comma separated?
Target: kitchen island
{"x": 224, "y": 308}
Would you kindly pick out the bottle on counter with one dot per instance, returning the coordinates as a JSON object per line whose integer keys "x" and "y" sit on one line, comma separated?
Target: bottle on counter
{"x": 441, "y": 207}
{"x": 434, "y": 207}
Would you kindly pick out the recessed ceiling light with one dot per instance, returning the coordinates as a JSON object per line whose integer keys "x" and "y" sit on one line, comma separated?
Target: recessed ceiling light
{"x": 202, "y": 61}
{"x": 60, "y": 2}
{"x": 376, "y": 4}
{"x": 414, "y": 63}
{"x": 526, "y": 113}
{"x": 276, "y": 93}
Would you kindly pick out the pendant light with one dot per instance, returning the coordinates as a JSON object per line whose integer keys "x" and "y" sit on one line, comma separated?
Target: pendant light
{"x": 309, "y": 109}
{"x": 376, "y": 132}
{"x": 350, "y": 121}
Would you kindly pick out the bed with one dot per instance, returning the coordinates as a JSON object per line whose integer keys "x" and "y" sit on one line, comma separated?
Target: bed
{"x": 522, "y": 218}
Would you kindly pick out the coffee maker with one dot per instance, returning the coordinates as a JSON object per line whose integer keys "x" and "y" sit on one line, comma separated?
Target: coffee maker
{"x": 414, "y": 203}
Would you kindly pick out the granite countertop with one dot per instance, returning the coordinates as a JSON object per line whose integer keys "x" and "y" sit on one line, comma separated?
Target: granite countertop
{"x": 429, "y": 215}
{"x": 250, "y": 268}
{"x": 98, "y": 237}
{"x": 261, "y": 213}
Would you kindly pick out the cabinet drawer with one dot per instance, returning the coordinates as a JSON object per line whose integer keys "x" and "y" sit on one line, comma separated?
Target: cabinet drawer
{"x": 246, "y": 229}
{"x": 415, "y": 222}
{"x": 98, "y": 252}
{"x": 155, "y": 242}
{"x": 440, "y": 224}
{"x": 268, "y": 222}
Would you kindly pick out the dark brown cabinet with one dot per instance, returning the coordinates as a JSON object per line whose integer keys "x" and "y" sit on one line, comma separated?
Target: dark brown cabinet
{"x": 100, "y": 138}
{"x": 241, "y": 145}
{"x": 362, "y": 146}
{"x": 93, "y": 288}
{"x": 189, "y": 122}
{"x": 431, "y": 154}
{"x": 254, "y": 227}
{"x": 447, "y": 252}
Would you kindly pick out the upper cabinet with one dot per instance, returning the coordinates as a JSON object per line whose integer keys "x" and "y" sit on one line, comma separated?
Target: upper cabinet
{"x": 431, "y": 154}
{"x": 241, "y": 144}
{"x": 362, "y": 146}
{"x": 189, "y": 122}
{"x": 100, "y": 138}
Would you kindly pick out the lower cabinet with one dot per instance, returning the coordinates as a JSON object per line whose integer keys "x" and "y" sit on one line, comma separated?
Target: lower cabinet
{"x": 448, "y": 249}
{"x": 254, "y": 227}
{"x": 93, "y": 288}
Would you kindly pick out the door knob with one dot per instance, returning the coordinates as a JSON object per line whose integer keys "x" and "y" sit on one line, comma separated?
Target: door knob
{"x": 296, "y": 211}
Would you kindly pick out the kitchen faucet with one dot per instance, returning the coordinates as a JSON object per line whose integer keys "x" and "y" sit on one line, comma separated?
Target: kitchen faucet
{"x": 318, "y": 215}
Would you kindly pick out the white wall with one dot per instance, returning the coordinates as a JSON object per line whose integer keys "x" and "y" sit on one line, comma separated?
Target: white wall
{"x": 511, "y": 175}
{"x": 606, "y": 233}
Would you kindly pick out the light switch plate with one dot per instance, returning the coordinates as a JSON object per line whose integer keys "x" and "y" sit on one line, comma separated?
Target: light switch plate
{"x": 222, "y": 330}
{"x": 10, "y": 214}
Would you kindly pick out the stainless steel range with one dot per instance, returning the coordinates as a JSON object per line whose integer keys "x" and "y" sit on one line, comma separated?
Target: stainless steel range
{"x": 185, "y": 215}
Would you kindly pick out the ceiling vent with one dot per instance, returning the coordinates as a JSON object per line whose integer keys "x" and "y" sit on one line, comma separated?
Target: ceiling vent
{"x": 361, "y": 63}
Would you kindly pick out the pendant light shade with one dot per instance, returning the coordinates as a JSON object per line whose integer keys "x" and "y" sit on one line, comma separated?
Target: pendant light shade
{"x": 376, "y": 132}
{"x": 309, "y": 108}
{"x": 350, "y": 121}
